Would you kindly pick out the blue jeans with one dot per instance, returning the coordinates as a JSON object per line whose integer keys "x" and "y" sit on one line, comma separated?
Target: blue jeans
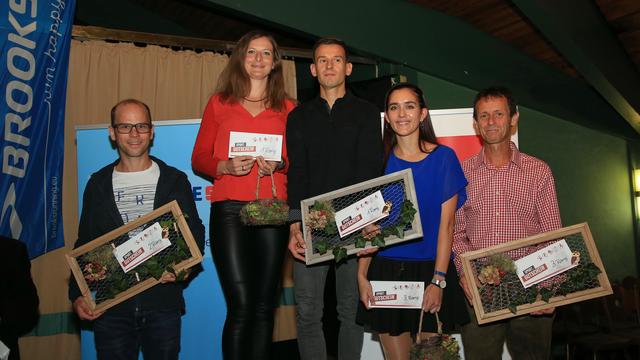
{"x": 120, "y": 336}
{"x": 309, "y": 282}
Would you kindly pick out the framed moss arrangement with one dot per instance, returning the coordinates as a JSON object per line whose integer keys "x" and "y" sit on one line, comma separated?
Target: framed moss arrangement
{"x": 132, "y": 258}
{"x": 497, "y": 282}
{"x": 332, "y": 222}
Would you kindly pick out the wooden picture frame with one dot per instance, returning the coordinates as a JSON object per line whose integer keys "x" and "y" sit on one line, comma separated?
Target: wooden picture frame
{"x": 488, "y": 313}
{"x": 401, "y": 179}
{"x": 94, "y": 288}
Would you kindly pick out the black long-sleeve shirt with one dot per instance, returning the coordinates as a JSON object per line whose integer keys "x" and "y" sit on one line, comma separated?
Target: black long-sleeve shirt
{"x": 330, "y": 148}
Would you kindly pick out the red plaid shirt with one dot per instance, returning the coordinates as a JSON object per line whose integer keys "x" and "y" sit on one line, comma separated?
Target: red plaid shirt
{"x": 504, "y": 204}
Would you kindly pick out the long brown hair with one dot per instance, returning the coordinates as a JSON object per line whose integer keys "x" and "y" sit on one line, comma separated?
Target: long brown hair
{"x": 425, "y": 129}
{"x": 234, "y": 83}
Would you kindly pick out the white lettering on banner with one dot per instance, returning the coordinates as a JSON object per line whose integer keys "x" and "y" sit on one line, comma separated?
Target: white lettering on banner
{"x": 48, "y": 84}
{"x": 54, "y": 34}
{"x": 21, "y": 65}
{"x": 22, "y": 30}
{"x": 9, "y": 135}
{"x": 21, "y": 7}
{"x": 54, "y": 207}
{"x": 17, "y": 157}
{"x": 14, "y": 219}
{"x": 27, "y": 56}
{"x": 18, "y": 86}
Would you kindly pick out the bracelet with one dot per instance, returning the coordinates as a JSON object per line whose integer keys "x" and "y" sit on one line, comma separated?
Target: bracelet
{"x": 440, "y": 273}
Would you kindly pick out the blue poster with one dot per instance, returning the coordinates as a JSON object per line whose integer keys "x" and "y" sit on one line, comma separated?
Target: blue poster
{"x": 34, "y": 55}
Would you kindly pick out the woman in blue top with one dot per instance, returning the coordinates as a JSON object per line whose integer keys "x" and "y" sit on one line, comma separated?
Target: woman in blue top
{"x": 410, "y": 142}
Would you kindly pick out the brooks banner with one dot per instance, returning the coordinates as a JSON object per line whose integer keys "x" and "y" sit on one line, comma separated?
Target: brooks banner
{"x": 34, "y": 55}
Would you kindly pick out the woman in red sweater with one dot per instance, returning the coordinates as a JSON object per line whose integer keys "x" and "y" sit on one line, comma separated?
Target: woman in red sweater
{"x": 250, "y": 98}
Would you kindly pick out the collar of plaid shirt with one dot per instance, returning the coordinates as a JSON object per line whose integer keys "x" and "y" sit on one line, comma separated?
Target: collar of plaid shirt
{"x": 515, "y": 157}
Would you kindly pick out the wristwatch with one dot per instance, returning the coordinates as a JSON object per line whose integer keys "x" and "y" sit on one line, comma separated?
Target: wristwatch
{"x": 439, "y": 283}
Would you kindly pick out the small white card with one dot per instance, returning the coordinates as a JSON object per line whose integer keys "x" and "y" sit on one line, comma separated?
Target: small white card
{"x": 545, "y": 263}
{"x": 268, "y": 146}
{"x": 397, "y": 294}
{"x": 362, "y": 213}
{"x": 141, "y": 247}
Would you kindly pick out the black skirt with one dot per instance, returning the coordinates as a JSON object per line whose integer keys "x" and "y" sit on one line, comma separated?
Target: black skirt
{"x": 452, "y": 312}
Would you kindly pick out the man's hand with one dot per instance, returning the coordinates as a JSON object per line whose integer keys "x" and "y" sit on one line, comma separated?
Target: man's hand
{"x": 82, "y": 309}
{"x": 465, "y": 288}
{"x": 296, "y": 241}
{"x": 543, "y": 311}
{"x": 167, "y": 277}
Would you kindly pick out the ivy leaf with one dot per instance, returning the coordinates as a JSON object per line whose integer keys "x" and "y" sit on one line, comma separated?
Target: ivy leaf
{"x": 155, "y": 270}
{"x": 360, "y": 241}
{"x": 331, "y": 228}
{"x": 181, "y": 275}
{"x": 340, "y": 254}
{"x": 400, "y": 231}
{"x": 546, "y": 294}
{"x": 182, "y": 245}
{"x": 392, "y": 230}
{"x": 321, "y": 246}
{"x": 378, "y": 241}
{"x": 513, "y": 308}
{"x": 408, "y": 211}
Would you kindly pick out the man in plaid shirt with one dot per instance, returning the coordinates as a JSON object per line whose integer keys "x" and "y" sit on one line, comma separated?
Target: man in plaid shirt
{"x": 511, "y": 195}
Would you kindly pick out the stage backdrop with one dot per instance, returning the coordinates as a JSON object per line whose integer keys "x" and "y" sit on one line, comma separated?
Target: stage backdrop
{"x": 454, "y": 128}
{"x": 34, "y": 53}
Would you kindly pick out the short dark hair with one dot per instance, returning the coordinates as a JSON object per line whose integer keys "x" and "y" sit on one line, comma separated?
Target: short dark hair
{"x": 330, "y": 41}
{"x": 496, "y": 92}
{"x": 115, "y": 107}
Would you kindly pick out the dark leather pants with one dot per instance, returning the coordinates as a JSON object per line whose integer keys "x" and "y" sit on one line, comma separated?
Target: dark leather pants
{"x": 249, "y": 264}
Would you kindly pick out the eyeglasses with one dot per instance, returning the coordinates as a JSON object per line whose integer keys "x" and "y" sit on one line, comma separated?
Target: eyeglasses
{"x": 141, "y": 128}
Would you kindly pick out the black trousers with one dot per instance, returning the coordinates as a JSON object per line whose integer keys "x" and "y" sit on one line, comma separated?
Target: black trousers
{"x": 249, "y": 264}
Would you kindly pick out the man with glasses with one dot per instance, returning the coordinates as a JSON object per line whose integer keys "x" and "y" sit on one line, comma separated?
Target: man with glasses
{"x": 133, "y": 186}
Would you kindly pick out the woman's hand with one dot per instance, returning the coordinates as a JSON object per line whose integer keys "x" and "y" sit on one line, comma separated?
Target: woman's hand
{"x": 366, "y": 292}
{"x": 369, "y": 232}
{"x": 266, "y": 167}
{"x": 237, "y": 166}
{"x": 432, "y": 299}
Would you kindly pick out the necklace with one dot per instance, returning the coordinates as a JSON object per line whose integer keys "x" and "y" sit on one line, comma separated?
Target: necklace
{"x": 255, "y": 101}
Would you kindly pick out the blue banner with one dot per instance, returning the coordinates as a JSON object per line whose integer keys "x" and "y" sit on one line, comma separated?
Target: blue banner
{"x": 34, "y": 55}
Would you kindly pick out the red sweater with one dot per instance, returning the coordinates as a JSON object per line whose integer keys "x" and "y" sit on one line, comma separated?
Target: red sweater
{"x": 212, "y": 146}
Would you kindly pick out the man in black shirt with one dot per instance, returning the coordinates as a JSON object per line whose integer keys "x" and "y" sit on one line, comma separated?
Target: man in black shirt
{"x": 333, "y": 141}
